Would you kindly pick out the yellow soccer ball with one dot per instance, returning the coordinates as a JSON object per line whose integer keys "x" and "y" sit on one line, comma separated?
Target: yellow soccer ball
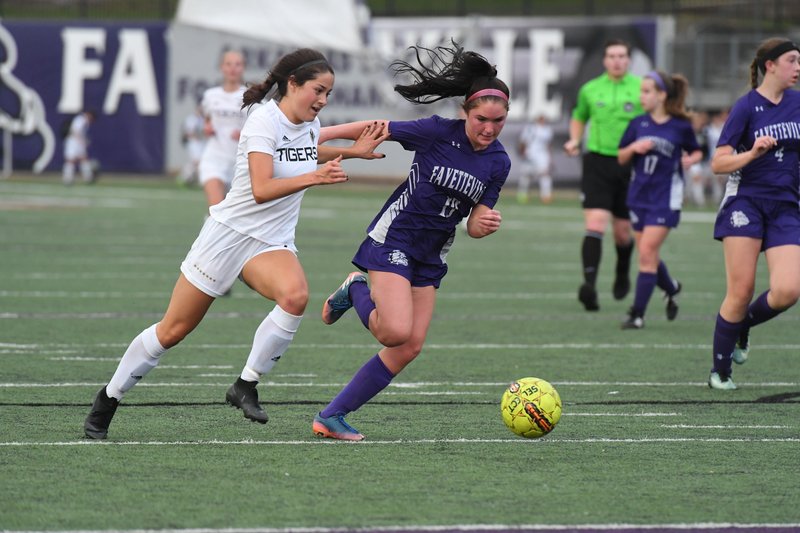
{"x": 531, "y": 407}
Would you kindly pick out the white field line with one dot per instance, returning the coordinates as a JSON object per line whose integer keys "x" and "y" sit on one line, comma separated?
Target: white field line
{"x": 734, "y": 427}
{"x": 51, "y": 348}
{"x": 411, "y": 385}
{"x": 456, "y": 527}
{"x": 331, "y": 442}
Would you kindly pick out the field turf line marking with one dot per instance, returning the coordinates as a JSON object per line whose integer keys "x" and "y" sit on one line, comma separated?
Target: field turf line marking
{"x": 411, "y": 385}
{"x": 331, "y": 442}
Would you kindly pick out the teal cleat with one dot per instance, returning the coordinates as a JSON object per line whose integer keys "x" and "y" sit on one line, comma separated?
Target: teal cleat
{"x": 716, "y": 381}
{"x": 742, "y": 348}
{"x": 339, "y": 302}
{"x": 334, "y": 427}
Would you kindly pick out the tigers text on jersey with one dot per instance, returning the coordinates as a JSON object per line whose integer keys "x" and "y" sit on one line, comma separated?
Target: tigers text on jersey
{"x": 224, "y": 111}
{"x": 657, "y": 180}
{"x": 293, "y": 148}
{"x": 447, "y": 179}
{"x": 774, "y": 175}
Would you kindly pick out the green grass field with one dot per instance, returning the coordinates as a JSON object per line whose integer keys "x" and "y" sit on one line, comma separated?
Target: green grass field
{"x": 643, "y": 441}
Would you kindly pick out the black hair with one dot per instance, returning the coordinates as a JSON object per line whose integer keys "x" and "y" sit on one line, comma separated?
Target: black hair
{"x": 301, "y": 65}
{"x": 446, "y": 72}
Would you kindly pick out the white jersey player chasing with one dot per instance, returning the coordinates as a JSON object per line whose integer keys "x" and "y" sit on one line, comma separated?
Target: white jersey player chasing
{"x": 222, "y": 108}
{"x": 250, "y": 234}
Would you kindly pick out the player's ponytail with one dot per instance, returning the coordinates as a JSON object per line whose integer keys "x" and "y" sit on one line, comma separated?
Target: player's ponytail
{"x": 770, "y": 50}
{"x": 677, "y": 88}
{"x": 301, "y": 66}
{"x": 446, "y": 72}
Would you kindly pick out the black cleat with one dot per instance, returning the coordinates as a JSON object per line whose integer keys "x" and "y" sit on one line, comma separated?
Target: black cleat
{"x": 622, "y": 286}
{"x": 588, "y": 297}
{"x": 243, "y": 394}
{"x": 99, "y": 418}
{"x": 634, "y": 321}
{"x": 672, "y": 304}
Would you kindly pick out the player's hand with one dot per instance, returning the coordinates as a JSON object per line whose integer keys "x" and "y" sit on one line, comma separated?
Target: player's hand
{"x": 572, "y": 148}
{"x": 763, "y": 145}
{"x": 643, "y": 146}
{"x": 330, "y": 172}
{"x": 371, "y": 137}
{"x": 488, "y": 222}
{"x": 208, "y": 129}
{"x": 235, "y": 134}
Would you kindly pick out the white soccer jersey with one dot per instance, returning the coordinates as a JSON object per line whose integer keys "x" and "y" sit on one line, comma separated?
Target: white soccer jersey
{"x": 293, "y": 148}
{"x": 537, "y": 138}
{"x": 224, "y": 110}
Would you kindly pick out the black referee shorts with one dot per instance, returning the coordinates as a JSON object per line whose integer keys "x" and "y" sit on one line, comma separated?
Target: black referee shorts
{"x": 604, "y": 184}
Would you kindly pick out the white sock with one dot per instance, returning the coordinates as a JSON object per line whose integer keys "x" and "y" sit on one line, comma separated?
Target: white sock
{"x": 271, "y": 340}
{"x": 141, "y": 357}
{"x": 697, "y": 193}
{"x": 545, "y": 187}
{"x": 68, "y": 172}
{"x": 86, "y": 170}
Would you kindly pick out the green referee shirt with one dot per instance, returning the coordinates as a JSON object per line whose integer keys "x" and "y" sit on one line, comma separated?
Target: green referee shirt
{"x": 609, "y": 105}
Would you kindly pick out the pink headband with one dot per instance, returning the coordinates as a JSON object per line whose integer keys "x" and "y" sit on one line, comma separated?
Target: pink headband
{"x": 488, "y": 92}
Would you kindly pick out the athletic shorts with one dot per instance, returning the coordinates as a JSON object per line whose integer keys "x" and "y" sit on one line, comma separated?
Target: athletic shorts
{"x": 372, "y": 255}
{"x": 218, "y": 256}
{"x": 604, "y": 184}
{"x": 212, "y": 167}
{"x": 775, "y": 222}
{"x": 641, "y": 217}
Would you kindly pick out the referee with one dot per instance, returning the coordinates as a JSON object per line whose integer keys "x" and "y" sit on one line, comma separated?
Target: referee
{"x": 609, "y": 102}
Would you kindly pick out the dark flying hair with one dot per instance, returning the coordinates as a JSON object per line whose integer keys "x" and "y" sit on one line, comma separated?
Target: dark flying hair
{"x": 446, "y": 72}
{"x": 301, "y": 65}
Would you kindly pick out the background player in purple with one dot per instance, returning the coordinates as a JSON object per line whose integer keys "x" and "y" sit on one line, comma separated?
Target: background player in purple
{"x": 458, "y": 169}
{"x": 759, "y": 146}
{"x": 661, "y": 143}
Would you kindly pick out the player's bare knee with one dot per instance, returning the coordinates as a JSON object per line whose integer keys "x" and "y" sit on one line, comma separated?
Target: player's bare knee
{"x": 784, "y": 297}
{"x": 293, "y": 300}
{"x": 171, "y": 334}
{"x": 392, "y": 336}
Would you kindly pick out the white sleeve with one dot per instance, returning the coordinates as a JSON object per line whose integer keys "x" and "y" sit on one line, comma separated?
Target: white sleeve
{"x": 260, "y": 134}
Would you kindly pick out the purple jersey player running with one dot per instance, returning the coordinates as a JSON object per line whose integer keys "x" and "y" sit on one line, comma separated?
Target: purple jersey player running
{"x": 458, "y": 170}
{"x": 661, "y": 144}
{"x": 759, "y": 146}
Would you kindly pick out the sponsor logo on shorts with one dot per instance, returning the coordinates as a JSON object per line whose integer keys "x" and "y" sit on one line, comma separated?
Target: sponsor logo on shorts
{"x": 397, "y": 257}
{"x": 739, "y": 219}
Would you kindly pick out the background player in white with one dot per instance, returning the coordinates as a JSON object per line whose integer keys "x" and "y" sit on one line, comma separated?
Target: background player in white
{"x": 76, "y": 149}
{"x": 250, "y": 234}
{"x": 222, "y": 108}
{"x": 194, "y": 141}
{"x": 534, "y": 146}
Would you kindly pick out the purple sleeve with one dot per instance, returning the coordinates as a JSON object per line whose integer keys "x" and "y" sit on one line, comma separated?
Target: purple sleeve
{"x": 492, "y": 192}
{"x": 735, "y": 128}
{"x": 416, "y": 135}
{"x": 629, "y": 136}
{"x": 689, "y": 138}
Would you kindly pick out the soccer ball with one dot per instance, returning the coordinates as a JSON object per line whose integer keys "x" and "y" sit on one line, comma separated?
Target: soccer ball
{"x": 531, "y": 407}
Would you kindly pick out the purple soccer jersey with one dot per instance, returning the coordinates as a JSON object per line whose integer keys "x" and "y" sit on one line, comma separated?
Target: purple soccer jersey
{"x": 447, "y": 179}
{"x": 775, "y": 175}
{"x": 657, "y": 181}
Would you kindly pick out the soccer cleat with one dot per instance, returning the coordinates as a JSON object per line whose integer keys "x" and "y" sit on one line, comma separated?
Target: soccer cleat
{"x": 718, "y": 381}
{"x": 334, "y": 427}
{"x": 339, "y": 302}
{"x": 742, "y": 348}
{"x": 96, "y": 424}
{"x": 634, "y": 321}
{"x": 588, "y": 297}
{"x": 622, "y": 285}
{"x": 672, "y": 304}
{"x": 243, "y": 395}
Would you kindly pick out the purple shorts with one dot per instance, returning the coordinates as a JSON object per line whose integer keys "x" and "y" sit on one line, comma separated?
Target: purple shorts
{"x": 642, "y": 216}
{"x": 372, "y": 255}
{"x": 774, "y": 222}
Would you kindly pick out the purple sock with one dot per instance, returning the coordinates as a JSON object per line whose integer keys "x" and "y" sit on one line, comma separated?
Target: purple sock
{"x": 665, "y": 281}
{"x": 645, "y": 283}
{"x": 760, "y": 311}
{"x": 370, "y": 379}
{"x": 725, "y": 336}
{"x": 362, "y": 302}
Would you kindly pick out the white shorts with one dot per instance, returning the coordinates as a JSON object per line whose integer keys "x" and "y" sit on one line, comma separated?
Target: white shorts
{"x": 74, "y": 149}
{"x": 218, "y": 256}
{"x": 214, "y": 167}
